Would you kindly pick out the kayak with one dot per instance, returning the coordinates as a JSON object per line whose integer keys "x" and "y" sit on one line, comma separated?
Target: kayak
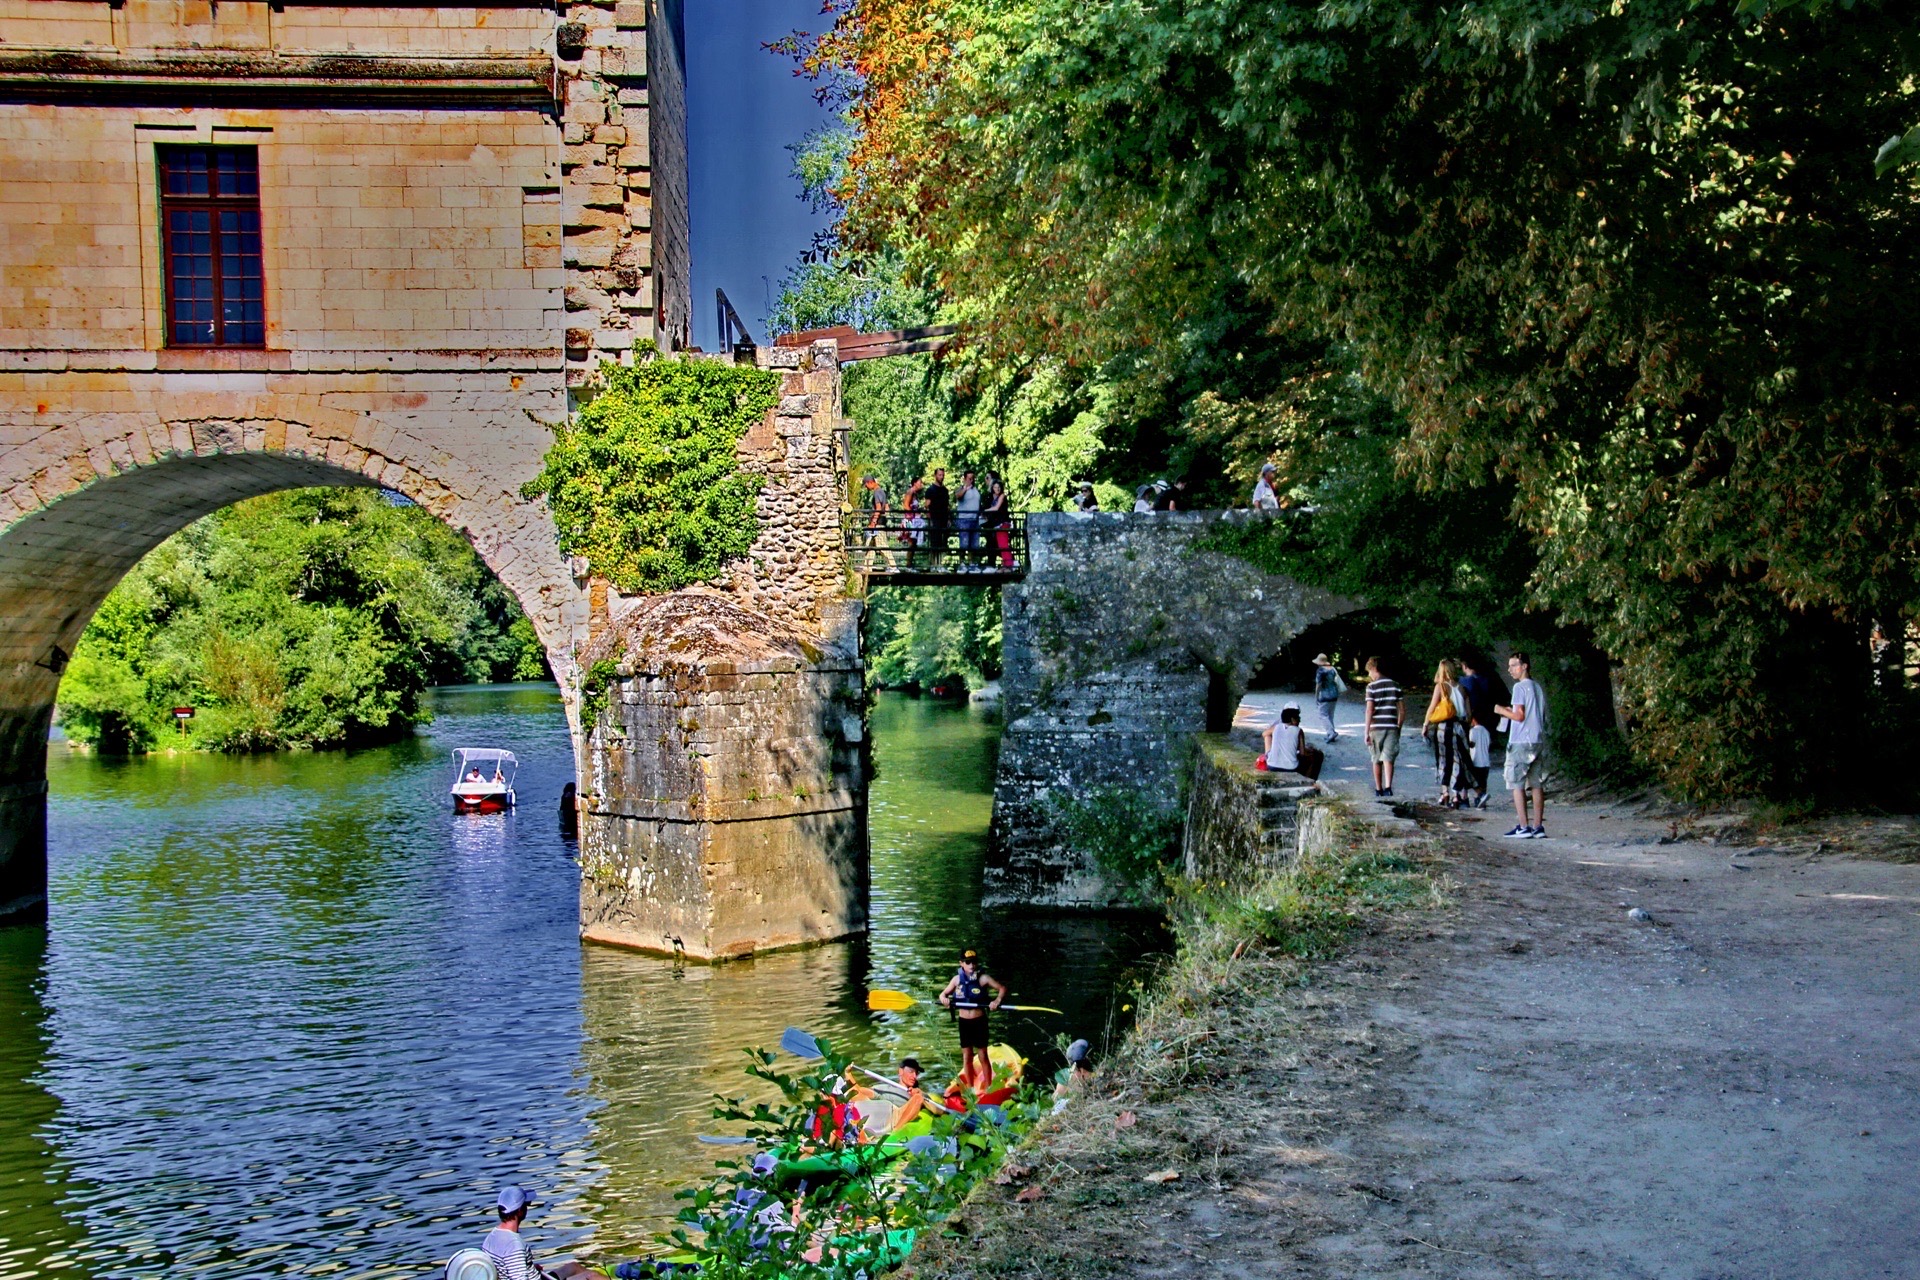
{"x": 876, "y": 1113}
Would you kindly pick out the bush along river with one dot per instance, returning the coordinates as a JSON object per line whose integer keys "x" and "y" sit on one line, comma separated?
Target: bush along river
{"x": 293, "y": 1016}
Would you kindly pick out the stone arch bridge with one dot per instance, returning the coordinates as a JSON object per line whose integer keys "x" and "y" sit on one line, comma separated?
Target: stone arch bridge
{"x": 722, "y": 790}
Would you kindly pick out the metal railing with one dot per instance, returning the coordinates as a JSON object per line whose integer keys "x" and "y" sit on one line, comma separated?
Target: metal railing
{"x": 734, "y": 339}
{"x": 895, "y": 547}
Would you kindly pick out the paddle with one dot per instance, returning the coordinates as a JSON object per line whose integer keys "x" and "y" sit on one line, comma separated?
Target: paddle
{"x": 900, "y": 1002}
{"x": 713, "y": 1141}
{"x": 801, "y": 1045}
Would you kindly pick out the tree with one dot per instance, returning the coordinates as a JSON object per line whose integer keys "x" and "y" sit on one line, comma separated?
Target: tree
{"x": 309, "y": 618}
{"x": 1631, "y": 266}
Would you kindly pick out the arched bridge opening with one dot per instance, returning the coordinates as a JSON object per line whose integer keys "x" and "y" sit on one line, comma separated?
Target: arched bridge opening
{"x": 60, "y": 559}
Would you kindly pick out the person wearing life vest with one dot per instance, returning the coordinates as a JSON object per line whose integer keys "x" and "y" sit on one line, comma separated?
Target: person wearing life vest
{"x": 833, "y": 1119}
{"x": 966, "y": 994}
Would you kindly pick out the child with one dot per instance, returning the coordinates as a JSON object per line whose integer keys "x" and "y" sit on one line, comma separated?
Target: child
{"x": 1479, "y": 760}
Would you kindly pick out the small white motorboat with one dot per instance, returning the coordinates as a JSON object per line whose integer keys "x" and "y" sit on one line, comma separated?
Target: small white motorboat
{"x": 483, "y": 780}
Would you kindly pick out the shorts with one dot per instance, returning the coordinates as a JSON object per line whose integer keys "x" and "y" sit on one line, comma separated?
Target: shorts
{"x": 1383, "y": 745}
{"x": 1526, "y": 765}
{"x": 973, "y": 1032}
{"x": 1479, "y": 773}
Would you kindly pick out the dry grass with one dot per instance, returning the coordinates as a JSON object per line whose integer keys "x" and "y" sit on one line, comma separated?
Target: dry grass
{"x": 1232, "y": 1039}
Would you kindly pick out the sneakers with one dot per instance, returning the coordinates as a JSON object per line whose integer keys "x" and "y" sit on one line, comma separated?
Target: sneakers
{"x": 1539, "y": 833}
{"x": 1520, "y": 833}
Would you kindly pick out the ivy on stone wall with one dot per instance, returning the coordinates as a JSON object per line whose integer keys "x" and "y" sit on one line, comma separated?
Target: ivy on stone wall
{"x": 645, "y": 483}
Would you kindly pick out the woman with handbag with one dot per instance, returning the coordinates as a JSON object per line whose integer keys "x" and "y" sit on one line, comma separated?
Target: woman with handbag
{"x": 1446, "y": 713}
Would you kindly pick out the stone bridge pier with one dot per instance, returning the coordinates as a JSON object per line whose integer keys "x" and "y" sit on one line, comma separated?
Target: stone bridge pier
{"x": 1128, "y": 638}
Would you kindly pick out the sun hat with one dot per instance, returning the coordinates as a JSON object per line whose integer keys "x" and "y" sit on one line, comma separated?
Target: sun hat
{"x": 1078, "y": 1050}
{"x": 1322, "y": 660}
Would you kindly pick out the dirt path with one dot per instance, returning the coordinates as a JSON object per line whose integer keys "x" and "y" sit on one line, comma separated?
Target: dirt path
{"x": 1531, "y": 1083}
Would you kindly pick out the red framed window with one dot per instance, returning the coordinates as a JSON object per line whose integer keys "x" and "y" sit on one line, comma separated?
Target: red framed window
{"x": 210, "y": 219}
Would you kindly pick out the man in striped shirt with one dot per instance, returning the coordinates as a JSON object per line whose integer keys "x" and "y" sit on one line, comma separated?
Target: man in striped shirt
{"x": 512, "y": 1257}
{"x": 1386, "y": 712}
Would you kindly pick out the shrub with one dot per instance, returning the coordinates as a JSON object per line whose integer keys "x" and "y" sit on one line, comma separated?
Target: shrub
{"x": 1131, "y": 837}
{"x": 645, "y": 484}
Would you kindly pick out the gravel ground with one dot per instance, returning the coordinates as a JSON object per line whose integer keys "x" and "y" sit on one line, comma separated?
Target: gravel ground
{"x": 1530, "y": 1082}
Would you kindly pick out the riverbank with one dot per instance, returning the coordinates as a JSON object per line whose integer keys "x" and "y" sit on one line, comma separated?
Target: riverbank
{"x": 1526, "y": 1080}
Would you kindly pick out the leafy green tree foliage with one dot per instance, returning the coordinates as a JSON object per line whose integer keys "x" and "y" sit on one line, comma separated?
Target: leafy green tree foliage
{"x": 921, "y": 635}
{"x": 1631, "y": 269}
{"x": 310, "y": 618}
{"x": 645, "y": 482}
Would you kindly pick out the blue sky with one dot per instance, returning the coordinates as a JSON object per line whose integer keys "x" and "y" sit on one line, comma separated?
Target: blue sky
{"x": 744, "y": 106}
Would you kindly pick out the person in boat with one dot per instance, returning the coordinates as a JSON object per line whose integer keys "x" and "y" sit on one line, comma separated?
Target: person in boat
{"x": 966, "y": 994}
{"x": 473, "y": 774}
{"x": 835, "y": 1123}
{"x": 1074, "y": 1076}
{"x": 913, "y": 1098}
{"x": 512, "y": 1256}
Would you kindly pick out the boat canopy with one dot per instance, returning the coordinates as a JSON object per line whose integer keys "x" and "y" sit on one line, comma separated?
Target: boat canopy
{"x": 465, "y": 756}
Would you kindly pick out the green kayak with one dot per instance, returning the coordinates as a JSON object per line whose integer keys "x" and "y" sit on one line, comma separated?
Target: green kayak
{"x": 899, "y": 1245}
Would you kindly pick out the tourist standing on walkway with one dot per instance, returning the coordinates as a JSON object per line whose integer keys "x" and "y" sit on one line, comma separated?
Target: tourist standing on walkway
{"x": 939, "y": 515}
{"x": 1327, "y": 688}
{"x": 996, "y": 520}
{"x": 1084, "y": 499}
{"x": 1479, "y": 690}
{"x": 1446, "y": 712}
{"x": 913, "y": 507}
{"x": 966, "y": 518}
{"x": 1526, "y": 749}
{"x": 1479, "y": 759}
{"x": 1386, "y": 713}
{"x": 1264, "y": 498}
{"x": 879, "y": 551}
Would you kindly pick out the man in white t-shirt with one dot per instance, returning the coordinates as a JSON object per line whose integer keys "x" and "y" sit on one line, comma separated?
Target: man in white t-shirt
{"x": 1264, "y": 498}
{"x": 1526, "y": 726}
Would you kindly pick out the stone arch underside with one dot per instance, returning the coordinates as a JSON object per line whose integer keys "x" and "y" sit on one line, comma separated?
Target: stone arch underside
{"x": 83, "y": 520}
{"x": 1129, "y": 634}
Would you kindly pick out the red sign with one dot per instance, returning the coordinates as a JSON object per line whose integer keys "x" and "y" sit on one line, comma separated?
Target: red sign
{"x": 183, "y": 713}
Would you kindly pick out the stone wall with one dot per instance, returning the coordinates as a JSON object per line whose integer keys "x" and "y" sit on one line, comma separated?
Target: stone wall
{"x": 1240, "y": 821}
{"x": 1124, "y": 633}
{"x": 618, "y": 183}
{"x": 671, "y": 233}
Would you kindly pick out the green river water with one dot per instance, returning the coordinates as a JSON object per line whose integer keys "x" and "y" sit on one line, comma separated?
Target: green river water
{"x": 292, "y": 1016}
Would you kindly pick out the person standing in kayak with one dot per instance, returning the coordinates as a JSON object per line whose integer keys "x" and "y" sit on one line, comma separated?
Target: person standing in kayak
{"x": 966, "y": 994}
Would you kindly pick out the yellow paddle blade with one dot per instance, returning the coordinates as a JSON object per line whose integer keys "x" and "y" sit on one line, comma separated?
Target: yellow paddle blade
{"x": 890, "y": 1001}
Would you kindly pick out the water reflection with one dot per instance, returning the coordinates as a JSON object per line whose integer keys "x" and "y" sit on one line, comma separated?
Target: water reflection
{"x": 292, "y": 1016}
